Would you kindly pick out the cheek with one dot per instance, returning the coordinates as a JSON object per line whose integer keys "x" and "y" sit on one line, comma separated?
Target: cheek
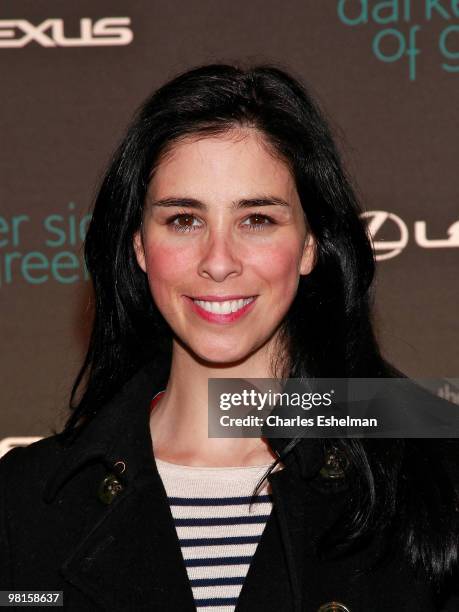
{"x": 278, "y": 266}
{"x": 167, "y": 268}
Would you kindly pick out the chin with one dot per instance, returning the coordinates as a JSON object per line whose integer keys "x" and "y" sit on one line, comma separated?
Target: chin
{"x": 220, "y": 355}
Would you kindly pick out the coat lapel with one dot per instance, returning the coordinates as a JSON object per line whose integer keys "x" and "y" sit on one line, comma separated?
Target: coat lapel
{"x": 131, "y": 559}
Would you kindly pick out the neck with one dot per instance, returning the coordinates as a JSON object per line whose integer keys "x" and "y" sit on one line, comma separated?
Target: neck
{"x": 179, "y": 421}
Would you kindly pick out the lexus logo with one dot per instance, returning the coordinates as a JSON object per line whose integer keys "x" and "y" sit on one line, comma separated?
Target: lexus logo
{"x": 386, "y": 249}
{"x": 382, "y": 223}
{"x": 109, "y": 31}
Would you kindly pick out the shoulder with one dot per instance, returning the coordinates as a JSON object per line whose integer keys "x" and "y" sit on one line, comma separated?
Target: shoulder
{"x": 31, "y": 465}
{"x": 437, "y": 457}
{"x": 24, "y": 471}
{"x": 429, "y": 508}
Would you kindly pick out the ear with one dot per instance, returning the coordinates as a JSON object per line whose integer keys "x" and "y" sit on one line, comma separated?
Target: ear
{"x": 308, "y": 256}
{"x": 139, "y": 250}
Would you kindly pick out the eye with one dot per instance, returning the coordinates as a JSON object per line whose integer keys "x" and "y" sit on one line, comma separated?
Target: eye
{"x": 265, "y": 222}
{"x": 183, "y": 222}
{"x": 186, "y": 226}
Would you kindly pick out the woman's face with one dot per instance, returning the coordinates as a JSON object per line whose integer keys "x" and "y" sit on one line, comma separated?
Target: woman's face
{"x": 223, "y": 221}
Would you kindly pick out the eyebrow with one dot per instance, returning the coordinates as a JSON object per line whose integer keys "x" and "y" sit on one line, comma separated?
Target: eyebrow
{"x": 244, "y": 203}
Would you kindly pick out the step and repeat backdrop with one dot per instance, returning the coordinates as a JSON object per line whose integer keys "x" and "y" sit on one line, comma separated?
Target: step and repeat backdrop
{"x": 72, "y": 74}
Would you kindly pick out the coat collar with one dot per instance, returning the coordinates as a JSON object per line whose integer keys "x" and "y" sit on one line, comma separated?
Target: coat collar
{"x": 120, "y": 432}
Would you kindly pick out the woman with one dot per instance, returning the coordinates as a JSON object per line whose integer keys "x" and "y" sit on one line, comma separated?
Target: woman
{"x": 226, "y": 243}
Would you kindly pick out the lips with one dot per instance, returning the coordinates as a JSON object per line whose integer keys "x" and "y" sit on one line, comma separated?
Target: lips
{"x": 225, "y": 309}
{"x": 219, "y": 298}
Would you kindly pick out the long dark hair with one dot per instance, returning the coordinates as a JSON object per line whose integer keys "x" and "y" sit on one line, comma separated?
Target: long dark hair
{"x": 328, "y": 329}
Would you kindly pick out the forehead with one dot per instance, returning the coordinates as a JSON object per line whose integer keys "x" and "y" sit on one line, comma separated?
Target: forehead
{"x": 238, "y": 159}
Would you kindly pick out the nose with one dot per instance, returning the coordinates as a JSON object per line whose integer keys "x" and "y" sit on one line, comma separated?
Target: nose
{"x": 219, "y": 258}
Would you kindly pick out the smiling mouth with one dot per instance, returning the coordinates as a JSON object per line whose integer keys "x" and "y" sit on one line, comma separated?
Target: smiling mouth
{"x": 225, "y": 307}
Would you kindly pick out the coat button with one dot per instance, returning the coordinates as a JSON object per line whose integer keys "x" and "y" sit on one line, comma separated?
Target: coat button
{"x": 335, "y": 464}
{"x": 333, "y": 606}
{"x": 109, "y": 489}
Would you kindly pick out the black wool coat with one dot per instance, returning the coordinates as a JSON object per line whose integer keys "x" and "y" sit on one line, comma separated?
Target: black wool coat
{"x": 73, "y": 518}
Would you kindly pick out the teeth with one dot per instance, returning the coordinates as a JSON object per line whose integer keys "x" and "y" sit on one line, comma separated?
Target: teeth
{"x": 223, "y": 307}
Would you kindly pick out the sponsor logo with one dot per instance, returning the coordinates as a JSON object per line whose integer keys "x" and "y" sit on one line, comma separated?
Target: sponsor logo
{"x": 405, "y": 27}
{"x": 108, "y": 31}
{"x": 58, "y": 258}
{"x": 382, "y": 223}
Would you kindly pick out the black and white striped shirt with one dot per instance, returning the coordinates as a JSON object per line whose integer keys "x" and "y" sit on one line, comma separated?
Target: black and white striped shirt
{"x": 217, "y": 530}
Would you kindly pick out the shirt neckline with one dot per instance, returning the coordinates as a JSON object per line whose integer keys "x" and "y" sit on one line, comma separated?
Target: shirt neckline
{"x": 207, "y": 468}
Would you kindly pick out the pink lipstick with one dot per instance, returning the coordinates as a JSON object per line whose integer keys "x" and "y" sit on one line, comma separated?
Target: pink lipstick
{"x": 214, "y": 317}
